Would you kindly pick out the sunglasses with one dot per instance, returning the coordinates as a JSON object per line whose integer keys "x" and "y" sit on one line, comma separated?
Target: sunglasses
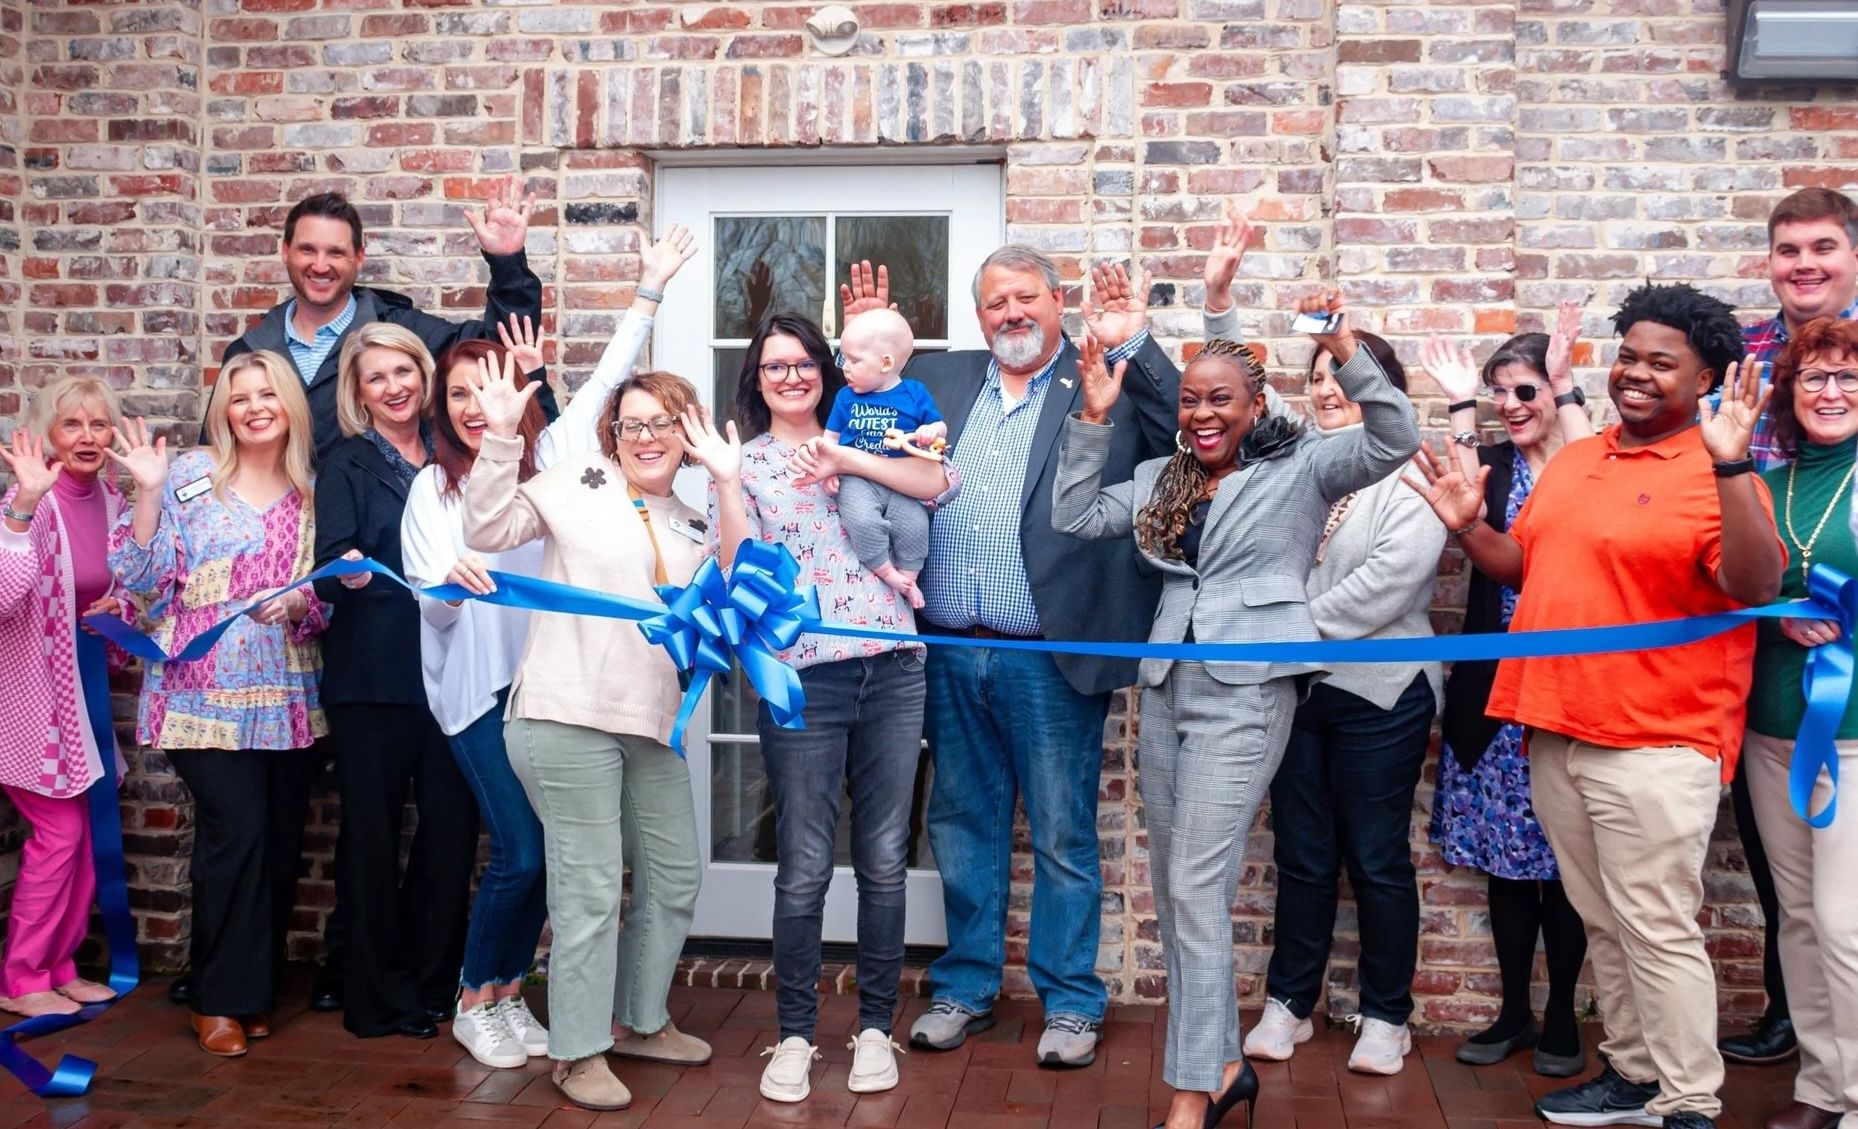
{"x": 1523, "y": 393}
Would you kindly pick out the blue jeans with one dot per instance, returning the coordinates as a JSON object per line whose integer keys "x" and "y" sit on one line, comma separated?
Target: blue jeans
{"x": 864, "y": 723}
{"x": 1002, "y": 723}
{"x": 512, "y": 897}
{"x": 1344, "y": 796}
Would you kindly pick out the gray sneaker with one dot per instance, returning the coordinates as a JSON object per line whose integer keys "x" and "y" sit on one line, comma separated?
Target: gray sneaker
{"x": 1069, "y": 1041}
{"x": 946, "y": 1026}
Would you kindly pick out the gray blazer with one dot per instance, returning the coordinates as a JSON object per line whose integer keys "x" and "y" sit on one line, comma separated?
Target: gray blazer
{"x": 1255, "y": 558}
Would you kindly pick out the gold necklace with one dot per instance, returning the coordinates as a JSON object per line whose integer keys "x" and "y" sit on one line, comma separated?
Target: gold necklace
{"x": 1806, "y": 546}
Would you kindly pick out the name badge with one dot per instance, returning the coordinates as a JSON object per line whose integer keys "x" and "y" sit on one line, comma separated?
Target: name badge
{"x": 697, "y": 531}
{"x": 194, "y": 489}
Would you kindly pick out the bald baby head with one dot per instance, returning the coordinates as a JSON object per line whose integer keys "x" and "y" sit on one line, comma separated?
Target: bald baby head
{"x": 876, "y": 345}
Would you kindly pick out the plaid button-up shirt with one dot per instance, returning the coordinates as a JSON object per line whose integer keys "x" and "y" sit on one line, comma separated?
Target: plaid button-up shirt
{"x": 1764, "y": 342}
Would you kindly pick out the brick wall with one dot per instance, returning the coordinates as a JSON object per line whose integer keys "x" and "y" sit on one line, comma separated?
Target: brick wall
{"x": 1459, "y": 166}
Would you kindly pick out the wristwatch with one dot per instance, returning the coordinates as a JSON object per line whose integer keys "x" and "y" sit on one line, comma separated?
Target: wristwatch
{"x": 1734, "y": 467}
{"x": 1576, "y": 397}
{"x": 1465, "y": 438}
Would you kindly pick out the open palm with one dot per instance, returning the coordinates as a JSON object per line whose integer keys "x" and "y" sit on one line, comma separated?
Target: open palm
{"x": 146, "y": 461}
{"x": 1117, "y": 308}
{"x": 720, "y": 453}
{"x": 25, "y": 458}
{"x": 1728, "y": 430}
{"x": 1456, "y": 497}
{"x": 498, "y": 397}
{"x": 505, "y": 222}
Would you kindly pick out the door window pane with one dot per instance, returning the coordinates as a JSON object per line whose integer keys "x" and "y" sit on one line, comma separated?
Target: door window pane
{"x": 768, "y": 264}
{"x": 915, "y": 248}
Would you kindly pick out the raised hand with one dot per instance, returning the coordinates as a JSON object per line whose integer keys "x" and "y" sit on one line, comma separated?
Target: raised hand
{"x": 502, "y": 402}
{"x": 1452, "y": 368}
{"x": 521, "y": 341}
{"x": 1561, "y": 347}
{"x": 718, "y": 453}
{"x": 1230, "y": 239}
{"x": 865, "y": 291}
{"x": 1728, "y": 429}
{"x": 758, "y": 291}
{"x": 1102, "y": 386}
{"x": 505, "y": 222}
{"x": 659, "y": 261}
{"x": 146, "y": 462}
{"x": 1339, "y": 342}
{"x": 25, "y": 458}
{"x": 1456, "y": 497}
{"x": 1116, "y": 309}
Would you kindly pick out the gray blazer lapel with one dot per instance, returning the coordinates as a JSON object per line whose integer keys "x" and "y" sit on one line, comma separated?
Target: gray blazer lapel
{"x": 1061, "y": 396}
{"x": 1228, "y": 491}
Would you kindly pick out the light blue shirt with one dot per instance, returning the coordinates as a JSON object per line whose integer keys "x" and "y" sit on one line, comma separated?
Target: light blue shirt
{"x": 309, "y": 355}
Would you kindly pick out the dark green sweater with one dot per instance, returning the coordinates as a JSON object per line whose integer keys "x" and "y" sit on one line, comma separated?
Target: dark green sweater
{"x": 1775, "y": 706}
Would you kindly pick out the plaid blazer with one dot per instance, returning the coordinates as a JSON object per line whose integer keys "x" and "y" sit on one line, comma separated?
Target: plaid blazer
{"x": 1255, "y": 557}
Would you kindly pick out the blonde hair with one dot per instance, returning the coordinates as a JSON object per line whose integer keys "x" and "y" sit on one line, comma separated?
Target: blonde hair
{"x": 349, "y": 411}
{"x": 67, "y": 392}
{"x": 299, "y": 441}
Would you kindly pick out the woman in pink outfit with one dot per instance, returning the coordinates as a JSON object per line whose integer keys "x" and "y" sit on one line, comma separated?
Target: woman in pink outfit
{"x": 54, "y": 569}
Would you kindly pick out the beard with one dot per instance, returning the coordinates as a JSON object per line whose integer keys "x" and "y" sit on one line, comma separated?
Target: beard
{"x": 1018, "y": 344}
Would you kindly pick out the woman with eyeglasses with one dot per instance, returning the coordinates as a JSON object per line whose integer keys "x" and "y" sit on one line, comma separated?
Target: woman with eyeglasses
{"x": 591, "y": 710}
{"x": 864, "y": 700}
{"x": 469, "y": 648}
{"x": 1344, "y": 793}
{"x": 1815, "y": 397}
{"x": 1481, "y": 812}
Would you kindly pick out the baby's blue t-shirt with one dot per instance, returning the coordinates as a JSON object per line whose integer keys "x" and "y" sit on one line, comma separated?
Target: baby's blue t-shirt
{"x": 862, "y": 420}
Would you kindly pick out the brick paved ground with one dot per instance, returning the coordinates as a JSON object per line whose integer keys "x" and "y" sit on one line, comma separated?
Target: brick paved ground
{"x": 312, "y": 1073}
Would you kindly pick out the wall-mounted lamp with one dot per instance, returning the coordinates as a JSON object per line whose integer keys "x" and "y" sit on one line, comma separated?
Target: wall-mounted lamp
{"x": 1793, "y": 41}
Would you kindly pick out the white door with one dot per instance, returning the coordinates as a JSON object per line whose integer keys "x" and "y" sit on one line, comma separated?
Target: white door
{"x": 782, "y": 239}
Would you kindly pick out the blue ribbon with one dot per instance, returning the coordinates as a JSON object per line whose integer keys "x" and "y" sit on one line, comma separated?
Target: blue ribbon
{"x": 1828, "y": 686}
{"x": 72, "y": 1075}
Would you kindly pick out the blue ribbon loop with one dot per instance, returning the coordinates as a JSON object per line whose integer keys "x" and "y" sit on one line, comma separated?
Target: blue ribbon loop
{"x": 1828, "y": 686}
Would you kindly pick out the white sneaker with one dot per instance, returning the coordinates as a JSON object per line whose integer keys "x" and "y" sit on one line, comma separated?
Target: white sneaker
{"x": 531, "y": 1034}
{"x": 788, "y": 1074}
{"x": 874, "y": 1062}
{"x": 1382, "y": 1047}
{"x": 1278, "y": 1032}
{"x": 486, "y": 1034}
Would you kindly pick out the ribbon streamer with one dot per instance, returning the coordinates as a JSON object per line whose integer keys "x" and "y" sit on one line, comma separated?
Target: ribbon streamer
{"x": 1828, "y": 686}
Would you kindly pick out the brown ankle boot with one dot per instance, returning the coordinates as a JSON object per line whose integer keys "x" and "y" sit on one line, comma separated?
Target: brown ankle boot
{"x": 219, "y": 1035}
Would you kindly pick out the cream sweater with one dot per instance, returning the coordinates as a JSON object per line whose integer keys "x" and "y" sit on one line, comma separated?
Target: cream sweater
{"x": 583, "y": 670}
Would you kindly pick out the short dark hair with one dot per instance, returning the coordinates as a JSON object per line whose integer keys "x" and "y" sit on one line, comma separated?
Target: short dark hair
{"x": 1707, "y": 323}
{"x": 1821, "y": 335}
{"x": 1527, "y": 349}
{"x": 330, "y": 205}
{"x": 751, "y": 410}
{"x": 1378, "y": 347}
{"x": 1810, "y": 204}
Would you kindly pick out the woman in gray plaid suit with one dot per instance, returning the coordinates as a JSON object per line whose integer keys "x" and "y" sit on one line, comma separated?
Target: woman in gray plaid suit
{"x": 1213, "y": 733}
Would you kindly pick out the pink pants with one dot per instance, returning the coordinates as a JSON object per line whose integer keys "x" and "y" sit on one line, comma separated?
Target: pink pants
{"x": 51, "y": 901}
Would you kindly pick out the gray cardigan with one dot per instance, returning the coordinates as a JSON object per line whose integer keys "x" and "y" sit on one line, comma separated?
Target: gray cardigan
{"x": 1375, "y": 581}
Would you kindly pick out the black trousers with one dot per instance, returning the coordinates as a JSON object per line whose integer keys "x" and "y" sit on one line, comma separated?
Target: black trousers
{"x": 249, "y": 811}
{"x": 405, "y": 937}
{"x": 1763, "y": 878}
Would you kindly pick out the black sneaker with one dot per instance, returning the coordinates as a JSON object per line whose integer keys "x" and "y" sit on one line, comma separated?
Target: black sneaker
{"x": 1685, "y": 1119}
{"x": 1604, "y": 1099}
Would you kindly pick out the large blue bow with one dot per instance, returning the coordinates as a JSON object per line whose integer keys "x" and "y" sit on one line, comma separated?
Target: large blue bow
{"x": 1828, "y": 686}
{"x": 751, "y": 615}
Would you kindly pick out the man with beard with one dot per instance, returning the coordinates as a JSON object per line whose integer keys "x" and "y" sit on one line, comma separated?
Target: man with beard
{"x": 1004, "y": 723}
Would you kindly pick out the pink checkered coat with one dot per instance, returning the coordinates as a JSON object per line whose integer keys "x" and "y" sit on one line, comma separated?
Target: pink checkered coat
{"x": 46, "y": 745}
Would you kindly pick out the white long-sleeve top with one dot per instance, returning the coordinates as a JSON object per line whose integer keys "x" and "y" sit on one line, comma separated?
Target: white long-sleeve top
{"x": 468, "y": 653}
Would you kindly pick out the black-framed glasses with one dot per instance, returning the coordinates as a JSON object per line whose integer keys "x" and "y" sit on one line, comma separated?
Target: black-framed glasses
{"x": 629, "y": 429}
{"x": 776, "y": 372}
{"x": 1814, "y": 380}
{"x": 1523, "y": 393}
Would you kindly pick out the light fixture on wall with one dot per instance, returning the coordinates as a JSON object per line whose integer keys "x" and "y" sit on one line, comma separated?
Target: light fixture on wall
{"x": 1793, "y": 41}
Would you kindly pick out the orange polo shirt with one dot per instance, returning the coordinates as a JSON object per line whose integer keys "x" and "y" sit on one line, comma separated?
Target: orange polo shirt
{"x": 1617, "y": 534}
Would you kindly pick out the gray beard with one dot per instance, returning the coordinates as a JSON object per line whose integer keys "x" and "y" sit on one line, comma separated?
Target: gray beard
{"x": 1017, "y": 350}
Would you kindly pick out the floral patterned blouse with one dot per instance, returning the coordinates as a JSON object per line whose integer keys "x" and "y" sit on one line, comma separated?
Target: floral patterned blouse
{"x": 257, "y": 687}
{"x": 806, "y": 520}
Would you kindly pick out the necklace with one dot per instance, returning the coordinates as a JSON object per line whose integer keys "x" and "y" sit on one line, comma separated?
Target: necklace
{"x": 1806, "y": 546}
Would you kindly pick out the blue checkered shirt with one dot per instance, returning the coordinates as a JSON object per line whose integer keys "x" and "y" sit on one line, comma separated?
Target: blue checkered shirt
{"x": 976, "y": 572}
{"x": 1764, "y": 342}
{"x": 309, "y": 355}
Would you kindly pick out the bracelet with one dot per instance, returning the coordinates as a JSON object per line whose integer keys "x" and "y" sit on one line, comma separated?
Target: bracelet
{"x": 648, "y": 294}
{"x": 14, "y": 515}
{"x": 1731, "y": 469}
{"x": 1471, "y": 404}
{"x": 1466, "y": 529}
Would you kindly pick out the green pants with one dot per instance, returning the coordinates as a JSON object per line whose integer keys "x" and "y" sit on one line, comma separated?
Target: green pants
{"x": 604, "y": 800}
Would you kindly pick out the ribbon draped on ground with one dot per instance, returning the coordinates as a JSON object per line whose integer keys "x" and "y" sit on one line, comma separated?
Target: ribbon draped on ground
{"x": 72, "y": 1075}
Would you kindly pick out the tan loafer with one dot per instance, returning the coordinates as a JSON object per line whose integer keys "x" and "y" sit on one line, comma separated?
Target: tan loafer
{"x": 219, "y": 1035}
{"x": 667, "y": 1044}
{"x": 590, "y": 1084}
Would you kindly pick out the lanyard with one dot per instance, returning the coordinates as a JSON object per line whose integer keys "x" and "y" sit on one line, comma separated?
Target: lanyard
{"x": 659, "y": 576}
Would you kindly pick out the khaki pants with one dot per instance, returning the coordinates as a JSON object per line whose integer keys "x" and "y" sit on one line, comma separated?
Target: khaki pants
{"x": 1630, "y": 828}
{"x": 1813, "y": 876}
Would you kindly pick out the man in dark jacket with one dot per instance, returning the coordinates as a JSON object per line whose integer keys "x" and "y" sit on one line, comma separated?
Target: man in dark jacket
{"x": 323, "y": 254}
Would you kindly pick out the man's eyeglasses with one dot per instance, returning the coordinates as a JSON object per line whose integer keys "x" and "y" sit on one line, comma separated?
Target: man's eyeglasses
{"x": 629, "y": 429}
{"x": 777, "y": 371}
{"x": 1523, "y": 393}
{"x": 1814, "y": 380}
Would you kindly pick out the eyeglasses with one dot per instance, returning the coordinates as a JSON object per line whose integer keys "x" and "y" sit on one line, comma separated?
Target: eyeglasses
{"x": 629, "y": 429}
{"x": 1523, "y": 393}
{"x": 1813, "y": 380}
{"x": 779, "y": 371}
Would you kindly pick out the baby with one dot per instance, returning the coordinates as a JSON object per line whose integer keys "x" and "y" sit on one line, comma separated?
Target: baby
{"x": 889, "y": 531}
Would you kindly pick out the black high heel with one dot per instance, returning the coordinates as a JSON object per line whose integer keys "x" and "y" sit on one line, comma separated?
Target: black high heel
{"x": 1244, "y": 1088}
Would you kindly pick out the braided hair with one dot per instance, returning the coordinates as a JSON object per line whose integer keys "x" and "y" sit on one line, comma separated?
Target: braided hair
{"x": 1184, "y": 481}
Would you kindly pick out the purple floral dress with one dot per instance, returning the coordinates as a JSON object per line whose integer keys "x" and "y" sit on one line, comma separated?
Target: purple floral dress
{"x": 1482, "y": 818}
